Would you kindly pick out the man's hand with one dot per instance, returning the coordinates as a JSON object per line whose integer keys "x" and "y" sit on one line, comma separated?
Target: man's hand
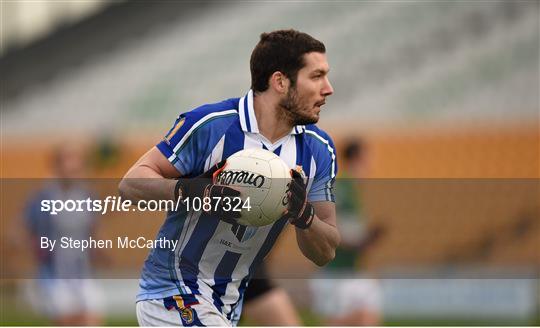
{"x": 316, "y": 233}
{"x": 299, "y": 212}
{"x": 203, "y": 187}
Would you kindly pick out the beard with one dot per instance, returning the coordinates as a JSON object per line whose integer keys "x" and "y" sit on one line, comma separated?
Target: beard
{"x": 294, "y": 111}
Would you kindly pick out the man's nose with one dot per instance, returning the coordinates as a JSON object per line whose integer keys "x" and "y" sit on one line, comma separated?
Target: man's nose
{"x": 327, "y": 89}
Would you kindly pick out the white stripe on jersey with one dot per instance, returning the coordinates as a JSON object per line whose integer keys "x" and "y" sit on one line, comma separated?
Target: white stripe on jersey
{"x": 251, "y": 142}
{"x": 288, "y": 152}
{"x": 241, "y": 113}
{"x": 216, "y": 155}
{"x": 214, "y": 252}
{"x": 232, "y": 293}
{"x": 313, "y": 133}
{"x": 187, "y": 230}
{"x": 252, "y": 119}
{"x": 312, "y": 170}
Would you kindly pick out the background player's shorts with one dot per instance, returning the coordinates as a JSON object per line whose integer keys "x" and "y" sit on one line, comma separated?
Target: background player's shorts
{"x": 335, "y": 296}
{"x": 259, "y": 285}
{"x": 173, "y": 311}
{"x": 62, "y": 297}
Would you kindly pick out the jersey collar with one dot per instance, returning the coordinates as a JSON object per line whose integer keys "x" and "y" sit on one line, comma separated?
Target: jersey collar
{"x": 248, "y": 121}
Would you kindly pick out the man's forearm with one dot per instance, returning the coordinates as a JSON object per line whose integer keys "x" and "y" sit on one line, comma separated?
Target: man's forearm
{"x": 143, "y": 183}
{"x": 318, "y": 243}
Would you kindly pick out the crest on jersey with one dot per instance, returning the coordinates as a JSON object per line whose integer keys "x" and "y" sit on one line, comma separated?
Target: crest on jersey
{"x": 187, "y": 315}
{"x": 174, "y": 129}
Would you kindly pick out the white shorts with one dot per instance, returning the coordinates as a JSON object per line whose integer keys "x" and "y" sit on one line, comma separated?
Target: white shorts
{"x": 172, "y": 311}
{"x": 334, "y": 296}
{"x": 61, "y": 297}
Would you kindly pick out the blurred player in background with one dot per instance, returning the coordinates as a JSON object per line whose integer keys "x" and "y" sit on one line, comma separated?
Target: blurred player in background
{"x": 266, "y": 304}
{"x": 64, "y": 290}
{"x": 341, "y": 295}
{"x": 203, "y": 281}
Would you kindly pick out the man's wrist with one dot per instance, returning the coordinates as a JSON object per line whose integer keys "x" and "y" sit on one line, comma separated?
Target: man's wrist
{"x": 194, "y": 187}
{"x": 305, "y": 220}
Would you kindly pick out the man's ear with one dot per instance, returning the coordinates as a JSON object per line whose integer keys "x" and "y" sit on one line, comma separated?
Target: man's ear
{"x": 279, "y": 82}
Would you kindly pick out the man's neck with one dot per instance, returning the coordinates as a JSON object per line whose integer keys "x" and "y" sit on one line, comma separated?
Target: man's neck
{"x": 272, "y": 124}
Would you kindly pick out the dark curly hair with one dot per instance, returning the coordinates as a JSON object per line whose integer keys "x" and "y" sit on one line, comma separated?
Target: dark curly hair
{"x": 282, "y": 51}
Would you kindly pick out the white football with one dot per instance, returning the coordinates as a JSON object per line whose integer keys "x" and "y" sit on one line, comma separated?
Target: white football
{"x": 263, "y": 178}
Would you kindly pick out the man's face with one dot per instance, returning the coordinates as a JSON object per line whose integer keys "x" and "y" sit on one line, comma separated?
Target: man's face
{"x": 302, "y": 103}
{"x": 70, "y": 164}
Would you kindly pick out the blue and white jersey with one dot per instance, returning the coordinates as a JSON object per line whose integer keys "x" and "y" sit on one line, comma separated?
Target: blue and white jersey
{"x": 62, "y": 263}
{"x": 213, "y": 258}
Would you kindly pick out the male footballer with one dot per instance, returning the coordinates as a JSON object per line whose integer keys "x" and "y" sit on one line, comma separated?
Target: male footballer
{"x": 202, "y": 281}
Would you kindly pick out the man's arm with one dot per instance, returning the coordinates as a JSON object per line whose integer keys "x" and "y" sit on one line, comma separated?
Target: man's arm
{"x": 151, "y": 177}
{"x": 318, "y": 242}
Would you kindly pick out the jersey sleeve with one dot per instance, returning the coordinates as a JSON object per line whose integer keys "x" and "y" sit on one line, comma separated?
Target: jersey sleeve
{"x": 190, "y": 141}
{"x": 322, "y": 188}
{"x": 184, "y": 145}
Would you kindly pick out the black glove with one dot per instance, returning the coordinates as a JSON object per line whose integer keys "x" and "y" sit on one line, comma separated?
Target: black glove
{"x": 203, "y": 186}
{"x": 300, "y": 212}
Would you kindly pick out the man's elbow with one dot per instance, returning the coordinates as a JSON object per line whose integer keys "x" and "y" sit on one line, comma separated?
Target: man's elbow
{"x": 325, "y": 258}
{"x": 123, "y": 188}
{"x": 330, "y": 253}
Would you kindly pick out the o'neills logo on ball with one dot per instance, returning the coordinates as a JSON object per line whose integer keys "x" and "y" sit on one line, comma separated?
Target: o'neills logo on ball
{"x": 240, "y": 177}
